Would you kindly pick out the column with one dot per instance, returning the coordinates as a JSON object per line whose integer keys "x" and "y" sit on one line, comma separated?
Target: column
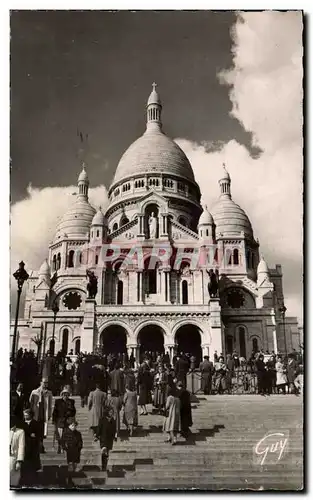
{"x": 88, "y": 337}
{"x": 141, "y": 228}
{"x": 140, "y": 286}
{"x": 166, "y": 286}
{"x": 206, "y": 351}
{"x": 215, "y": 327}
{"x": 170, "y": 349}
{"x": 177, "y": 288}
{"x": 275, "y": 341}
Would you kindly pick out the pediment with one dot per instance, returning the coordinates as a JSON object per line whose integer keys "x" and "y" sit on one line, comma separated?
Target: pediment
{"x": 180, "y": 232}
{"x": 153, "y": 197}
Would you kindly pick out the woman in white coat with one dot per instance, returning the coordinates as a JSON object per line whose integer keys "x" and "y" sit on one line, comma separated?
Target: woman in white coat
{"x": 17, "y": 452}
{"x": 281, "y": 377}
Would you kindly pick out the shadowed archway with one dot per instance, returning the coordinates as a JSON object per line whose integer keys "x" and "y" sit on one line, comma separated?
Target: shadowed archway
{"x": 151, "y": 340}
{"x": 113, "y": 340}
{"x": 188, "y": 341}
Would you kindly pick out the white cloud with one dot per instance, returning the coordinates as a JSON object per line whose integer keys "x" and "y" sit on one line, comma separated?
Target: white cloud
{"x": 265, "y": 88}
{"x": 34, "y": 221}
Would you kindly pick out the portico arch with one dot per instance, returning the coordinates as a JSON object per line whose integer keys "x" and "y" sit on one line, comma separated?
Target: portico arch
{"x": 188, "y": 340}
{"x": 113, "y": 339}
{"x": 150, "y": 339}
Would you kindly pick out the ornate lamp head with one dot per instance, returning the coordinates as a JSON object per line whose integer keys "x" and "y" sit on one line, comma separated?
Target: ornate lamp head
{"x": 21, "y": 275}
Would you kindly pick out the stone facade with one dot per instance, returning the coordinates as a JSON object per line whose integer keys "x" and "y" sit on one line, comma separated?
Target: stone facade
{"x": 152, "y": 252}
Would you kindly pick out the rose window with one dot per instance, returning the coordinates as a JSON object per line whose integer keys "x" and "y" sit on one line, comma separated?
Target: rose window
{"x": 72, "y": 300}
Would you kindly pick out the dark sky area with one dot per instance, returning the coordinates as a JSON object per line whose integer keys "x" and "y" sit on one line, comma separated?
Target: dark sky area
{"x": 93, "y": 70}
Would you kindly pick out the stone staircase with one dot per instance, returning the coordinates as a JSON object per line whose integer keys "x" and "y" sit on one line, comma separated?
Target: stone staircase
{"x": 220, "y": 455}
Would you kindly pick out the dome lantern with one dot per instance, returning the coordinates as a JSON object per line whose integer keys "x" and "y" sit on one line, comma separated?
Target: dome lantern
{"x": 224, "y": 183}
{"x": 83, "y": 183}
{"x": 154, "y": 109}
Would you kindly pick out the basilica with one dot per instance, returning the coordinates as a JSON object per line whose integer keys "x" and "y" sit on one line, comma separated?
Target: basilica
{"x": 168, "y": 274}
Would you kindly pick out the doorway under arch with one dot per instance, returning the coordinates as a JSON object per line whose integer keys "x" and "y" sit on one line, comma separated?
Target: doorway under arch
{"x": 151, "y": 340}
{"x": 188, "y": 341}
{"x": 113, "y": 340}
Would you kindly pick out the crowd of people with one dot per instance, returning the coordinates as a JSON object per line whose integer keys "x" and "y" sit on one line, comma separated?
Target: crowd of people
{"x": 262, "y": 373}
{"x": 116, "y": 390}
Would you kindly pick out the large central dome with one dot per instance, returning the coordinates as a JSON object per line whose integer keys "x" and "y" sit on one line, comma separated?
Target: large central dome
{"x": 153, "y": 153}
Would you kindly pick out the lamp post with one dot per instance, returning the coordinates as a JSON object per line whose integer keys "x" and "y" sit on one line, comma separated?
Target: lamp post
{"x": 21, "y": 276}
{"x": 55, "y": 310}
{"x": 283, "y": 310}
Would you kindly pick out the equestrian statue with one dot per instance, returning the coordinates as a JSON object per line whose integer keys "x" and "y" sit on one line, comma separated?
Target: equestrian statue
{"x": 213, "y": 284}
{"x": 92, "y": 285}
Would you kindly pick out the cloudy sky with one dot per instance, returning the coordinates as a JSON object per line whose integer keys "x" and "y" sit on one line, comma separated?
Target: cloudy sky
{"x": 231, "y": 88}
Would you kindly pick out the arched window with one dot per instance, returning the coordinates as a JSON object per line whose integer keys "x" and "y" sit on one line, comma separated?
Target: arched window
{"x": 124, "y": 220}
{"x": 98, "y": 233}
{"x": 54, "y": 263}
{"x": 52, "y": 347}
{"x": 115, "y": 226}
{"x": 207, "y": 232}
{"x": 58, "y": 261}
{"x": 185, "y": 292}
{"x": 77, "y": 346}
{"x": 242, "y": 342}
{"x": 65, "y": 341}
{"x": 255, "y": 345}
{"x": 96, "y": 259}
{"x": 152, "y": 281}
{"x": 29, "y": 311}
{"x": 120, "y": 292}
{"x": 71, "y": 259}
{"x": 236, "y": 257}
{"x": 228, "y": 258}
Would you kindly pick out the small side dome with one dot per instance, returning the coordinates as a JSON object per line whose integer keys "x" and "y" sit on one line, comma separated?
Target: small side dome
{"x": 98, "y": 219}
{"x": 44, "y": 269}
{"x": 205, "y": 218}
{"x": 262, "y": 267}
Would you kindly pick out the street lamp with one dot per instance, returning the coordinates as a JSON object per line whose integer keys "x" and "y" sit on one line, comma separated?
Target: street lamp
{"x": 21, "y": 276}
{"x": 55, "y": 310}
{"x": 283, "y": 310}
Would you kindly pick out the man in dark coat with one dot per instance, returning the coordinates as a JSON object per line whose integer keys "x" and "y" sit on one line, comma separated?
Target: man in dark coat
{"x": 64, "y": 408}
{"x": 206, "y": 369}
{"x": 82, "y": 379}
{"x": 291, "y": 369}
{"x": 117, "y": 382}
{"x": 31, "y": 463}
{"x": 17, "y": 402}
{"x": 261, "y": 374}
{"x": 72, "y": 443}
{"x": 185, "y": 410}
{"x": 181, "y": 370}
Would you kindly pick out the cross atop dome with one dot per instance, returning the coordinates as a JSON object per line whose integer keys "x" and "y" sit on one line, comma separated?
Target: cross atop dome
{"x": 154, "y": 85}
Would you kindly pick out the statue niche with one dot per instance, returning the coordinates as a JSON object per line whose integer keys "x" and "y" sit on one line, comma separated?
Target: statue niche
{"x": 153, "y": 226}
